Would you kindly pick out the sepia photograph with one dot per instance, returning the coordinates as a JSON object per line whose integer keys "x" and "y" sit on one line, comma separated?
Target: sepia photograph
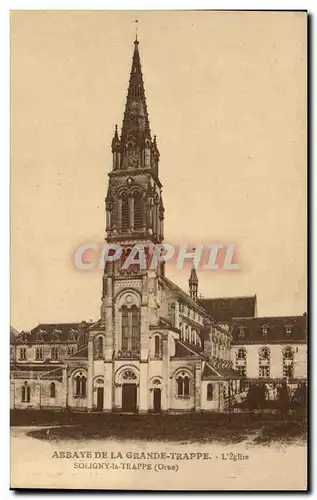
{"x": 159, "y": 331}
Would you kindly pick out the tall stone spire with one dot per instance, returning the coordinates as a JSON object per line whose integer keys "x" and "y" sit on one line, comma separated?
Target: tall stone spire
{"x": 135, "y": 148}
{"x": 136, "y": 120}
{"x": 193, "y": 284}
{"x": 134, "y": 203}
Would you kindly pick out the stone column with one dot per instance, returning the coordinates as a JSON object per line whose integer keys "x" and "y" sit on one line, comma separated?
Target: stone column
{"x": 108, "y": 386}
{"x": 220, "y": 395}
{"x": 109, "y": 321}
{"x": 166, "y": 376}
{"x": 143, "y": 387}
{"x": 176, "y": 312}
{"x": 198, "y": 387}
{"x": 90, "y": 375}
{"x": 64, "y": 399}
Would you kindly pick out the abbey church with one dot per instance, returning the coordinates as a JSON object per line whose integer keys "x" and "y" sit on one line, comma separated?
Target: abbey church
{"x": 155, "y": 348}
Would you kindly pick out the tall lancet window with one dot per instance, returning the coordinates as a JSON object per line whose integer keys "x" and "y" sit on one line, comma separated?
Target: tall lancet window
{"x": 125, "y": 328}
{"x": 125, "y": 213}
{"x": 135, "y": 320}
{"x": 137, "y": 212}
{"x": 147, "y": 155}
{"x": 130, "y": 329}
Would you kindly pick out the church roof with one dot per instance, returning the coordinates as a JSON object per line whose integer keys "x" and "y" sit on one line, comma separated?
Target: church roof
{"x": 183, "y": 295}
{"x": 280, "y": 329}
{"x": 13, "y": 334}
{"x": 55, "y": 332}
{"x": 33, "y": 367}
{"x": 227, "y": 308}
{"x": 186, "y": 350}
{"x": 82, "y": 354}
{"x": 165, "y": 324}
{"x": 214, "y": 372}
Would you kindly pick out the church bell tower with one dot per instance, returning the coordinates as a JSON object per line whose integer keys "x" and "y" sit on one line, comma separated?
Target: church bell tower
{"x": 134, "y": 205}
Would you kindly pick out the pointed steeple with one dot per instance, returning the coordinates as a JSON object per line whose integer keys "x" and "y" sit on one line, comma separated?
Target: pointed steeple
{"x": 136, "y": 122}
{"x": 193, "y": 284}
{"x": 136, "y": 148}
{"x": 134, "y": 204}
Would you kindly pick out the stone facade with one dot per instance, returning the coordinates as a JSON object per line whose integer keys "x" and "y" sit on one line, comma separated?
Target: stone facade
{"x": 155, "y": 347}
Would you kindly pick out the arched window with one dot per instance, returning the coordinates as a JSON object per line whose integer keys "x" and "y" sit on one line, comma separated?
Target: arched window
{"x": 84, "y": 387}
{"x": 264, "y": 363}
{"x": 157, "y": 346}
{"x": 52, "y": 390}
{"x": 186, "y": 386}
{"x": 241, "y": 354}
{"x": 180, "y": 386}
{"x": 183, "y": 385}
{"x": 99, "y": 348}
{"x": 288, "y": 363}
{"x": 194, "y": 337}
{"x": 26, "y": 393}
{"x": 187, "y": 333}
{"x": 125, "y": 212}
{"x": 54, "y": 353}
{"x": 129, "y": 375}
{"x": 80, "y": 386}
{"x": 137, "y": 212}
{"x": 147, "y": 155}
{"x": 70, "y": 351}
{"x": 241, "y": 332}
{"x": 210, "y": 392}
{"x": 135, "y": 314}
{"x": 39, "y": 354}
{"x": 130, "y": 328}
{"x": 125, "y": 328}
{"x": 241, "y": 362}
{"x": 265, "y": 329}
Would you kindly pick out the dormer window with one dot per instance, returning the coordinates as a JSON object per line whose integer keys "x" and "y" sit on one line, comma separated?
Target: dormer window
{"x": 265, "y": 329}
{"x": 241, "y": 331}
{"x": 23, "y": 336}
{"x": 72, "y": 334}
{"x": 288, "y": 329}
{"x": 40, "y": 335}
{"x": 56, "y": 335}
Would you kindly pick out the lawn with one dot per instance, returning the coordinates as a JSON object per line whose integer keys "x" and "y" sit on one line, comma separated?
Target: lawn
{"x": 204, "y": 428}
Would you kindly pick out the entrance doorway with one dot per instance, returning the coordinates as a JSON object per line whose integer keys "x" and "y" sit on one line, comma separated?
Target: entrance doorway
{"x": 99, "y": 398}
{"x": 129, "y": 397}
{"x": 157, "y": 400}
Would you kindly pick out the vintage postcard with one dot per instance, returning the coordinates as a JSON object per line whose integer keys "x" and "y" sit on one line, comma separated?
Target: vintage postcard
{"x": 158, "y": 334}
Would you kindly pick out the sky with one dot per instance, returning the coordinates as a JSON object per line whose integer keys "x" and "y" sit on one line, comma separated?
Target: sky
{"x": 226, "y": 96}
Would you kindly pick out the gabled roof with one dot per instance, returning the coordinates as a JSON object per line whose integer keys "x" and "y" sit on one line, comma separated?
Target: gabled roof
{"x": 82, "y": 354}
{"x": 183, "y": 295}
{"x": 186, "y": 350}
{"x": 214, "y": 372}
{"x": 227, "y": 308}
{"x": 55, "y": 332}
{"x": 281, "y": 329}
{"x": 164, "y": 324}
{"x": 13, "y": 334}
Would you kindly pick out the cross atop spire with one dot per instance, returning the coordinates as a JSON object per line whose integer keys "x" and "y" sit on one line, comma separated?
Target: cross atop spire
{"x": 135, "y": 148}
{"x": 134, "y": 205}
{"x": 136, "y": 121}
{"x": 136, "y": 30}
